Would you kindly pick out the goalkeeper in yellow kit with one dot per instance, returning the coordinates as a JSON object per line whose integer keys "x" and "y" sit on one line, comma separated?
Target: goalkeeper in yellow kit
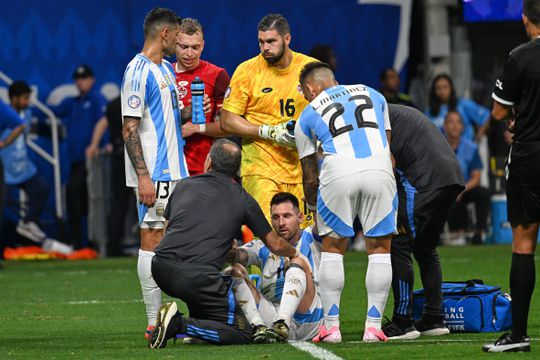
{"x": 265, "y": 93}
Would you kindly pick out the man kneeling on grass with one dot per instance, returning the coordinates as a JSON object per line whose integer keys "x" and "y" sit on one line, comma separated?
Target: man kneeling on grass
{"x": 288, "y": 305}
{"x": 204, "y": 214}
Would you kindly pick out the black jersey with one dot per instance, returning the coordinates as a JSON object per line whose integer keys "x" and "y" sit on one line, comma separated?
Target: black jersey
{"x": 205, "y": 213}
{"x": 422, "y": 153}
{"x": 519, "y": 87}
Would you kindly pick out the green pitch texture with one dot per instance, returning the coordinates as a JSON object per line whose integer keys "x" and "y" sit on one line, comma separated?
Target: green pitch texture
{"x": 92, "y": 310}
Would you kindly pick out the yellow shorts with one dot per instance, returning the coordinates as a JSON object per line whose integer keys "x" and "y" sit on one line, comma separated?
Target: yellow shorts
{"x": 263, "y": 189}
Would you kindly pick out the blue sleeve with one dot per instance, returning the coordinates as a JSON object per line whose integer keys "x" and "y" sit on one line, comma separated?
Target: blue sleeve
{"x": 477, "y": 113}
{"x": 476, "y": 162}
{"x": 63, "y": 109}
{"x": 9, "y": 119}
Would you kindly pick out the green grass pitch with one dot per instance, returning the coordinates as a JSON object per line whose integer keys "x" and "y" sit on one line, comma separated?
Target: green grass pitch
{"x": 92, "y": 310}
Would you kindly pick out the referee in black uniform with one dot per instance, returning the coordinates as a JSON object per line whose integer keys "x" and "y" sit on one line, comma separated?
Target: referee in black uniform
{"x": 429, "y": 179}
{"x": 204, "y": 214}
{"x": 517, "y": 91}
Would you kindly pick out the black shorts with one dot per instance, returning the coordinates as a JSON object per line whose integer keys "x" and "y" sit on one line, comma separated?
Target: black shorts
{"x": 206, "y": 292}
{"x": 421, "y": 215}
{"x": 523, "y": 186}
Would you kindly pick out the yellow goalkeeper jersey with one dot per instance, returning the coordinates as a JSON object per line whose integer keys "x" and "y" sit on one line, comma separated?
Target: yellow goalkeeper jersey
{"x": 263, "y": 94}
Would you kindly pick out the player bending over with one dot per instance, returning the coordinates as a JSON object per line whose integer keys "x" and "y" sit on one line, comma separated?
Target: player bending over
{"x": 288, "y": 306}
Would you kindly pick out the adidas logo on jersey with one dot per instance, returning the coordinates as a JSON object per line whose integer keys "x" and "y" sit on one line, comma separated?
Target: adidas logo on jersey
{"x": 292, "y": 293}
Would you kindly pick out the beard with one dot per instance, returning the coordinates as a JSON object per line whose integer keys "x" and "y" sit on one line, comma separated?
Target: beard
{"x": 274, "y": 59}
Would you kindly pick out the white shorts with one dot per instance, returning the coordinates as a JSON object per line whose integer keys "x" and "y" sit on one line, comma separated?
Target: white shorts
{"x": 304, "y": 326}
{"x": 371, "y": 195}
{"x": 152, "y": 218}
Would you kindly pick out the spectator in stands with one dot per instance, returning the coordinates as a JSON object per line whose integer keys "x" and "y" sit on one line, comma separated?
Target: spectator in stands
{"x": 471, "y": 166}
{"x": 122, "y": 196}
{"x": 326, "y": 54}
{"x": 11, "y": 127}
{"x": 80, "y": 115}
{"x": 20, "y": 171}
{"x": 443, "y": 98}
{"x": 390, "y": 83}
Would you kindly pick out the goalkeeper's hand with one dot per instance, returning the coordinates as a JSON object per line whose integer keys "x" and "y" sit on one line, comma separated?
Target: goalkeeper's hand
{"x": 278, "y": 133}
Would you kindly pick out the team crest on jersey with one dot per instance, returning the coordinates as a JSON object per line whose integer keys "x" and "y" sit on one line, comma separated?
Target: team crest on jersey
{"x": 182, "y": 89}
{"x": 160, "y": 209}
{"x": 134, "y": 101}
{"x": 228, "y": 92}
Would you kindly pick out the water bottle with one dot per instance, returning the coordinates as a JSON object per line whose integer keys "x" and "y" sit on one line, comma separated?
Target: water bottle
{"x": 197, "y": 97}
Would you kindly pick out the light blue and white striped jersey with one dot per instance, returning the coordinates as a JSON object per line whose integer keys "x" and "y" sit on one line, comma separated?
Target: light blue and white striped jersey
{"x": 349, "y": 121}
{"x": 273, "y": 267}
{"x": 149, "y": 92}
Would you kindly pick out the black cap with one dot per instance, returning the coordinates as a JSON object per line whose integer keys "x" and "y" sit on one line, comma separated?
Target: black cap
{"x": 83, "y": 71}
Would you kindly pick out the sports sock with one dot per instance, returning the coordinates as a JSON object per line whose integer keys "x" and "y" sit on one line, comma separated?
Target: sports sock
{"x": 247, "y": 302}
{"x": 151, "y": 292}
{"x": 378, "y": 282}
{"x": 331, "y": 282}
{"x": 293, "y": 292}
{"x": 522, "y": 279}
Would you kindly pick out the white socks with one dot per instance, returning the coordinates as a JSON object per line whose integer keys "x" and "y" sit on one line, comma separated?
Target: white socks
{"x": 151, "y": 292}
{"x": 378, "y": 283}
{"x": 247, "y": 302}
{"x": 331, "y": 282}
{"x": 293, "y": 292}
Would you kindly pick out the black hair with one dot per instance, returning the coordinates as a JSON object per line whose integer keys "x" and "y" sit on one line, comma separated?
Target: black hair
{"x": 383, "y": 74}
{"x": 274, "y": 22}
{"x": 531, "y": 9}
{"x": 226, "y": 157}
{"x": 157, "y": 19}
{"x": 310, "y": 67}
{"x": 283, "y": 197}
{"x": 435, "y": 103}
{"x": 18, "y": 88}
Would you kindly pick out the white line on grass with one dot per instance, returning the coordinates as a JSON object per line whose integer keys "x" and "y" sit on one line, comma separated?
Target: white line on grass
{"x": 426, "y": 341}
{"x": 316, "y": 352}
{"x": 91, "y": 302}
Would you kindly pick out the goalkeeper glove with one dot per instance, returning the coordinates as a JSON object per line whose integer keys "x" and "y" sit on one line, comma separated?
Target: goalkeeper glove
{"x": 279, "y": 133}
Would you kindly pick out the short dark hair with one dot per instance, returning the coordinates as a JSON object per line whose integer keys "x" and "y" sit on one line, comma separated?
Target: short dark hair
{"x": 226, "y": 157}
{"x": 384, "y": 73}
{"x": 310, "y": 67}
{"x": 453, "y": 112}
{"x": 158, "y": 18}
{"x": 18, "y": 88}
{"x": 274, "y": 22}
{"x": 531, "y": 9}
{"x": 190, "y": 26}
{"x": 283, "y": 197}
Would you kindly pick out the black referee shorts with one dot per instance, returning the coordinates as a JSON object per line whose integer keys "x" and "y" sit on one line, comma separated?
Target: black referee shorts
{"x": 523, "y": 186}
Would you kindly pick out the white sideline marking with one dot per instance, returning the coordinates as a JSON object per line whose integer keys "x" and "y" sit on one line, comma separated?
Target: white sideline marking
{"x": 426, "y": 341}
{"x": 316, "y": 352}
{"x": 92, "y": 302}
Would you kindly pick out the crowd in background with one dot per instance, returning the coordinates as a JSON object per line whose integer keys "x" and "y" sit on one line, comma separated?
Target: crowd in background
{"x": 93, "y": 136}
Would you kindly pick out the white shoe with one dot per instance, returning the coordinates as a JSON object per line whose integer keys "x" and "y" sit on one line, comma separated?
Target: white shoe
{"x": 56, "y": 246}
{"x": 31, "y": 231}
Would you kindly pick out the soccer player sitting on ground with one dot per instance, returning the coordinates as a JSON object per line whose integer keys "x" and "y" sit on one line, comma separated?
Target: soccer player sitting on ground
{"x": 356, "y": 179}
{"x": 288, "y": 306}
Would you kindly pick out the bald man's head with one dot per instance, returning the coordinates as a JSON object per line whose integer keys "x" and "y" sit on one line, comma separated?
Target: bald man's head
{"x": 224, "y": 157}
{"x": 315, "y": 77}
